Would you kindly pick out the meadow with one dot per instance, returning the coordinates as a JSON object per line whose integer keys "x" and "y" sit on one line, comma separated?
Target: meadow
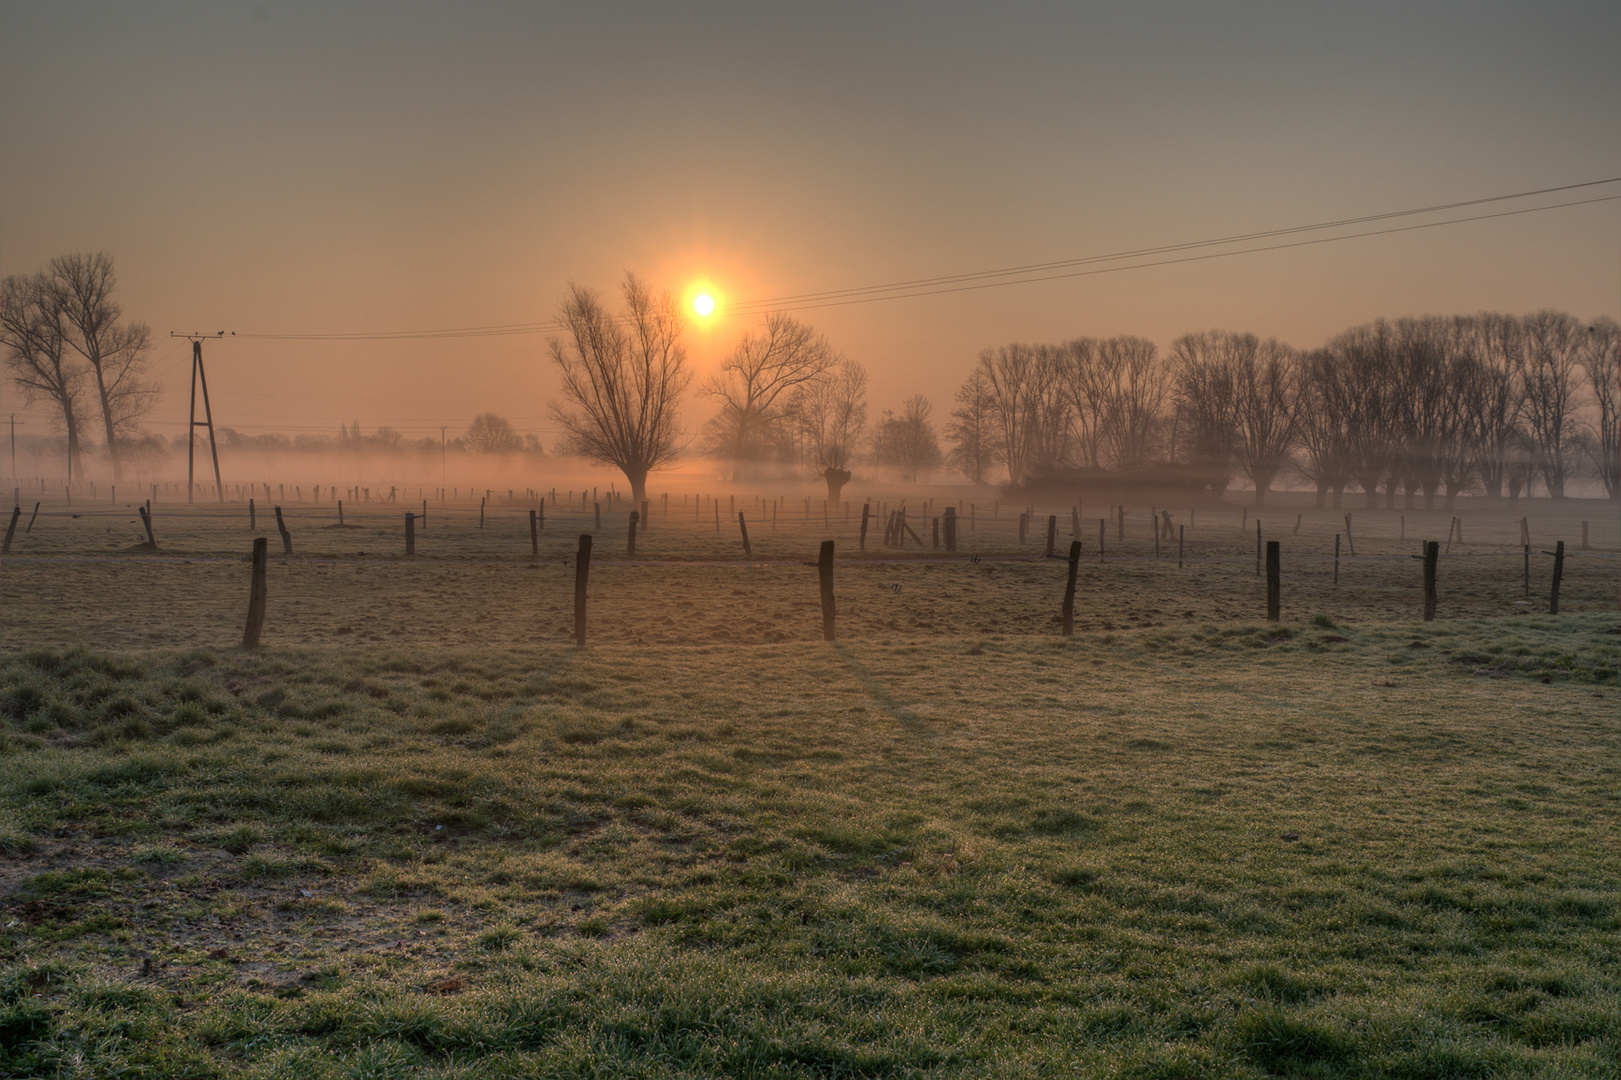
{"x": 417, "y": 833}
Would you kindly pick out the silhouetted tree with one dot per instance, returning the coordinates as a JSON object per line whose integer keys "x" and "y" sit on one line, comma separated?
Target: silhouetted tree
{"x": 1202, "y": 370}
{"x": 829, "y": 415}
{"x": 492, "y": 434}
{"x": 81, "y": 287}
{"x": 1554, "y": 343}
{"x": 908, "y": 442}
{"x": 1601, "y": 359}
{"x": 621, "y": 380}
{"x": 38, "y": 359}
{"x": 753, "y": 385}
{"x": 973, "y": 429}
{"x": 1031, "y": 405}
{"x": 1265, "y": 395}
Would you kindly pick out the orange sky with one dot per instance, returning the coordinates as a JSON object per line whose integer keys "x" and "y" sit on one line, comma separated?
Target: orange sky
{"x": 316, "y": 168}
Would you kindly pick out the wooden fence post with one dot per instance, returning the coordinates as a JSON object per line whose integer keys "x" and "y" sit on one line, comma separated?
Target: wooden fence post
{"x": 534, "y": 534}
{"x": 286, "y": 537}
{"x": 1350, "y": 541}
{"x": 11, "y": 529}
{"x": 1069, "y": 587}
{"x": 1274, "y": 580}
{"x": 866, "y": 515}
{"x": 1052, "y": 535}
{"x": 31, "y": 518}
{"x": 630, "y": 534}
{"x": 256, "y": 594}
{"x": 1558, "y": 575}
{"x": 582, "y": 573}
{"x": 410, "y": 533}
{"x": 481, "y": 503}
{"x": 1432, "y": 554}
{"x": 742, "y": 527}
{"x": 146, "y": 519}
{"x": 1257, "y": 547}
{"x": 253, "y": 516}
{"x": 824, "y": 571}
{"x": 340, "y": 512}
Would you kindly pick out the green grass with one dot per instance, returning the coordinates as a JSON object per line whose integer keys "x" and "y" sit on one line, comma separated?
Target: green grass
{"x": 1327, "y": 849}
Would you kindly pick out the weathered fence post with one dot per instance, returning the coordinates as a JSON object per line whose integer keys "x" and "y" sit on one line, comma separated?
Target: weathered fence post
{"x": 256, "y": 594}
{"x": 253, "y": 516}
{"x": 1558, "y": 575}
{"x": 1069, "y": 587}
{"x": 582, "y": 572}
{"x": 1257, "y": 547}
{"x": 824, "y": 571}
{"x": 1432, "y": 555}
{"x": 630, "y": 535}
{"x": 1052, "y": 535}
{"x": 742, "y": 527}
{"x": 286, "y": 537}
{"x": 146, "y": 519}
{"x": 340, "y": 513}
{"x": 11, "y": 529}
{"x": 1350, "y": 541}
{"x": 534, "y": 534}
{"x": 1274, "y": 580}
{"x": 31, "y": 518}
{"x": 866, "y": 515}
{"x": 481, "y": 503}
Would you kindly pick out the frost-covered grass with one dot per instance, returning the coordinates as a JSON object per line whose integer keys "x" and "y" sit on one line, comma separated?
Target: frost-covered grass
{"x": 1331, "y": 847}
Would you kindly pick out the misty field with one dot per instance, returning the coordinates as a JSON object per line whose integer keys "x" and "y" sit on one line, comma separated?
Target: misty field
{"x": 418, "y": 833}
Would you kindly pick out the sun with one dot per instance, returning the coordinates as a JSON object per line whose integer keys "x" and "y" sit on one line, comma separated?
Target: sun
{"x": 703, "y": 304}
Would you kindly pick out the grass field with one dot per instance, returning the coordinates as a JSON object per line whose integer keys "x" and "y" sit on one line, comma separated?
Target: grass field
{"x": 419, "y": 835}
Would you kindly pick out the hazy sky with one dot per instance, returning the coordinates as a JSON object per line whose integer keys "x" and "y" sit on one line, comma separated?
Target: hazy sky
{"x": 369, "y": 167}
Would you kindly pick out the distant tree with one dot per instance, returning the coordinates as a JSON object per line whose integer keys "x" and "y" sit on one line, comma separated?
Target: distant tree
{"x": 492, "y": 434}
{"x": 1554, "y": 345}
{"x": 1202, "y": 373}
{"x": 38, "y": 358}
{"x": 972, "y": 430}
{"x": 1601, "y": 359}
{"x": 1322, "y": 425}
{"x": 1031, "y": 406}
{"x": 754, "y": 384}
{"x": 622, "y": 380}
{"x": 908, "y": 442}
{"x": 81, "y": 288}
{"x": 1265, "y": 383}
{"x": 828, "y": 415}
{"x": 1135, "y": 387}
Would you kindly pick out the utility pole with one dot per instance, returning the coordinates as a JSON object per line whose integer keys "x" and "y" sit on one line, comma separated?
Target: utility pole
{"x": 199, "y": 376}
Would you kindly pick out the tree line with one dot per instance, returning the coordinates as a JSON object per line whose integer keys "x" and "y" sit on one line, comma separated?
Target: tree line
{"x": 1431, "y": 407}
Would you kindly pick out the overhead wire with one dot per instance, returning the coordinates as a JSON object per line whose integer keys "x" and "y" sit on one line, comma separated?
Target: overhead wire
{"x": 1032, "y": 273}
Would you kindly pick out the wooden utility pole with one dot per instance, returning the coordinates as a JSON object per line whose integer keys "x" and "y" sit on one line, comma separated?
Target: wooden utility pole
{"x": 199, "y": 376}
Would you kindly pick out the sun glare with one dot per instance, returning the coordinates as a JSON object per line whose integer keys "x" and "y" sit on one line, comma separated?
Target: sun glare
{"x": 703, "y": 304}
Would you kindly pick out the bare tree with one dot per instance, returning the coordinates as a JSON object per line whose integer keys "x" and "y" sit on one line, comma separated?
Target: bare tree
{"x": 1490, "y": 389}
{"x": 1366, "y": 394}
{"x": 753, "y": 385}
{"x": 1203, "y": 377}
{"x": 1601, "y": 359}
{"x": 1135, "y": 387}
{"x": 973, "y": 429}
{"x": 1322, "y": 425}
{"x": 37, "y": 357}
{"x": 1031, "y": 404}
{"x": 1554, "y": 344}
{"x": 622, "y": 380}
{"x": 908, "y": 441}
{"x": 82, "y": 287}
{"x": 1265, "y": 379}
{"x": 829, "y": 414}
{"x": 492, "y": 434}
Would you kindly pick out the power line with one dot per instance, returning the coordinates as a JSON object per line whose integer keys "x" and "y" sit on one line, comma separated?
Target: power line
{"x": 1031, "y": 273}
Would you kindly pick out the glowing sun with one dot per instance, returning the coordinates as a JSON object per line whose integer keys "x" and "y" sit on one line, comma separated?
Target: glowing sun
{"x": 703, "y": 304}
